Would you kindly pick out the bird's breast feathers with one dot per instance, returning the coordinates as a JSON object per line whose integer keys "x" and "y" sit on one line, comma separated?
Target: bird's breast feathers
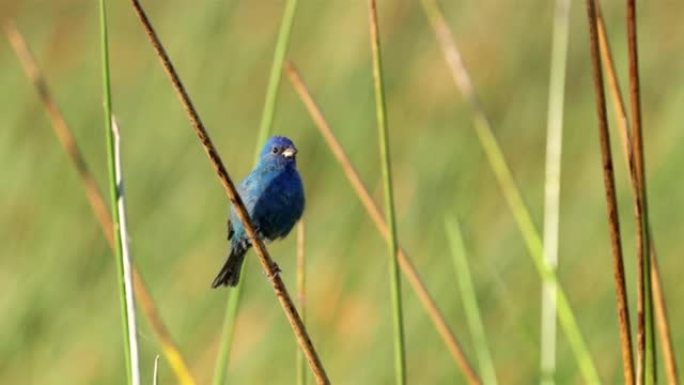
{"x": 274, "y": 201}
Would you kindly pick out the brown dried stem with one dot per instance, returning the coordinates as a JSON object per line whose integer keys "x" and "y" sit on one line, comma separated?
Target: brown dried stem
{"x": 621, "y": 117}
{"x": 96, "y": 201}
{"x": 372, "y": 209}
{"x": 609, "y": 182}
{"x": 267, "y": 263}
{"x": 645, "y": 340}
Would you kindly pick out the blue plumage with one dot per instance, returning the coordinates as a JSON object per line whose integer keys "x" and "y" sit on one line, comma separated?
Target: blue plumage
{"x": 274, "y": 197}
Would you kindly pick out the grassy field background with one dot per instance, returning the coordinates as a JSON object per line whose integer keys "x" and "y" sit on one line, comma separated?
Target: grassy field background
{"x": 59, "y": 320}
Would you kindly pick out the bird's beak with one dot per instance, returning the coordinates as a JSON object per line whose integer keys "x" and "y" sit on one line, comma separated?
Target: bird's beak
{"x": 290, "y": 152}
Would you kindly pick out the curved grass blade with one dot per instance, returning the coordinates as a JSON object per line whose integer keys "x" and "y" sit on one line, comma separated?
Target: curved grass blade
{"x": 509, "y": 189}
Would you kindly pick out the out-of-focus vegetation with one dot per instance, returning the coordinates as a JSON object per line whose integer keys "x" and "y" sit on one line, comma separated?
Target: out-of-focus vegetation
{"x": 59, "y": 305}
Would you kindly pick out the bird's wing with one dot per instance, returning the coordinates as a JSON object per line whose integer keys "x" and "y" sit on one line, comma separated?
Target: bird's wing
{"x": 250, "y": 189}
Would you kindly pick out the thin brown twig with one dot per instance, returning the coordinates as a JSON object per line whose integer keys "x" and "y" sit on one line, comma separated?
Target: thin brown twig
{"x": 659, "y": 302}
{"x": 662, "y": 322}
{"x": 266, "y": 261}
{"x": 609, "y": 182}
{"x": 645, "y": 349}
{"x": 372, "y": 209}
{"x": 614, "y": 87}
{"x": 96, "y": 201}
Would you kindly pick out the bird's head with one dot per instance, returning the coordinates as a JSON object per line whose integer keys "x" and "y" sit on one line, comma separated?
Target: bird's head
{"x": 278, "y": 151}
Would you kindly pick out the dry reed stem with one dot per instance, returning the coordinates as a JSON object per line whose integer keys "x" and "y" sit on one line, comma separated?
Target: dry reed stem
{"x": 96, "y": 201}
{"x": 267, "y": 263}
{"x": 621, "y": 117}
{"x": 614, "y": 87}
{"x": 662, "y": 320}
{"x": 609, "y": 182}
{"x": 645, "y": 349}
{"x": 372, "y": 209}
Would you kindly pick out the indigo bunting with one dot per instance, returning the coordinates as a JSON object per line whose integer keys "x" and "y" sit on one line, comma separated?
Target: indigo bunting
{"x": 274, "y": 198}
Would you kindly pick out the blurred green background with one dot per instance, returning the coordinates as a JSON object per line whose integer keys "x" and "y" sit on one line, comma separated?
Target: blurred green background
{"x": 59, "y": 306}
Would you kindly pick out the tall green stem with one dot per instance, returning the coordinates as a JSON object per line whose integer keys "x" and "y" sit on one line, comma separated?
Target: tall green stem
{"x": 124, "y": 295}
{"x": 383, "y": 133}
{"x": 554, "y": 140}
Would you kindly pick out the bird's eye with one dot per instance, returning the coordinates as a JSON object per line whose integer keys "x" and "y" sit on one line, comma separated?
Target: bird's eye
{"x": 275, "y": 150}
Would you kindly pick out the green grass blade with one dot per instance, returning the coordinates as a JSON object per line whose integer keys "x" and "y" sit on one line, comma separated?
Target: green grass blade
{"x": 268, "y": 113}
{"x": 509, "y": 189}
{"x": 301, "y": 298}
{"x": 228, "y": 331}
{"x": 265, "y": 129}
{"x": 554, "y": 139}
{"x": 125, "y": 290}
{"x": 472, "y": 310}
{"x": 383, "y": 133}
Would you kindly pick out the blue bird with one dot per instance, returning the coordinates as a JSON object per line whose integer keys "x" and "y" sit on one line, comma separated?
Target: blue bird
{"x": 274, "y": 197}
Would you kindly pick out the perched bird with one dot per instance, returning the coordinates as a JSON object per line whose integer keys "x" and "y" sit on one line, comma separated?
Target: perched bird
{"x": 274, "y": 198}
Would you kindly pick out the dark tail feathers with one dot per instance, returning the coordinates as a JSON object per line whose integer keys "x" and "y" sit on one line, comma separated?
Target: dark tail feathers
{"x": 230, "y": 272}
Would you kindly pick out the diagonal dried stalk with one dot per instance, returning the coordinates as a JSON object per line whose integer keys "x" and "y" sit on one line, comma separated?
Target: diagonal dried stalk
{"x": 609, "y": 181}
{"x": 267, "y": 263}
{"x": 96, "y": 201}
{"x": 614, "y": 87}
{"x": 372, "y": 209}
{"x": 645, "y": 349}
{"x": 621, "y": 117}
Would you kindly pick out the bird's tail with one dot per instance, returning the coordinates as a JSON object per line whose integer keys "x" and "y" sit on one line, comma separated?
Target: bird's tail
{"x": 230, "y": 272}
